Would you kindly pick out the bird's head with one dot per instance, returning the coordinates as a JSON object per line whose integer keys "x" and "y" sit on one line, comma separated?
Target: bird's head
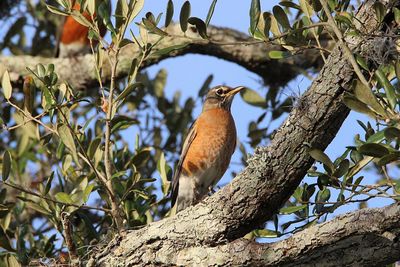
{"x": 221, "y": 97}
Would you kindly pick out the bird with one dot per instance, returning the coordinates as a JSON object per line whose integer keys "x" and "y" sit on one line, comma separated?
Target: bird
{"x": 74, "y": 39}
{"x": 207, "y": 149}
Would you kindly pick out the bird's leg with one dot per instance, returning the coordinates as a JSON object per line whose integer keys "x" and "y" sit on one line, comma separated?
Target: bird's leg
{"x": 211, "y": 190}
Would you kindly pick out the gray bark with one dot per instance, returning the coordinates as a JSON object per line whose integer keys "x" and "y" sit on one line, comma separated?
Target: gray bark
{"x": 79, "y": 71}
{"x": 353, "y": 239}
{"x": 210, "y": 229}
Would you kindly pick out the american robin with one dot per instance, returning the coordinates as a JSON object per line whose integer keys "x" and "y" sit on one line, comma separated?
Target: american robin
{"x": 74, "y": 39}
{"x": 207, "y": 150}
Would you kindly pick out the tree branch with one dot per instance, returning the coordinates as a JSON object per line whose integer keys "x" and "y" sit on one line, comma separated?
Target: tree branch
{"x": 371, "y": 234}
{"x": 224, "y": 43}
{"x": 272, "y": 173}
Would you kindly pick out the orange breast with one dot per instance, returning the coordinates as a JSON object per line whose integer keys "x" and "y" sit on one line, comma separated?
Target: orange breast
{"x": 74, "y": 32}
{"x": 213, "y": 145}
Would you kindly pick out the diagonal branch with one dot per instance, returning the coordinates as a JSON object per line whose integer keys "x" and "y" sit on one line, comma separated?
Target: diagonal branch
{"x": 225, "y": 44}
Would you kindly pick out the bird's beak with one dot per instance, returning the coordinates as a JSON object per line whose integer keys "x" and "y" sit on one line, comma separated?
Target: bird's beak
{"x": 236, "y": 90}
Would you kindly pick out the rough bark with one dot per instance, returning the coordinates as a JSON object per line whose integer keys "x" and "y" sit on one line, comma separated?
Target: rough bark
{"x": 367, "y": 233}
{"x": 224, "y": 43}
{"x": 270, "y": 178}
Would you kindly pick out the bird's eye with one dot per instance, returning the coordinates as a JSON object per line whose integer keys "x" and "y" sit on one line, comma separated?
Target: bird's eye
{"x": 220, "y": 92}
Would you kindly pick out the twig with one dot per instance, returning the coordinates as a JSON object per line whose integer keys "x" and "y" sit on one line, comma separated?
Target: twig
{"x": 28, "y": 120}
{"x": 27, "y": 191}
{"x": 346, "y": 49}
{"x": 67, "y": 233}
{"x": 30, "y": 117}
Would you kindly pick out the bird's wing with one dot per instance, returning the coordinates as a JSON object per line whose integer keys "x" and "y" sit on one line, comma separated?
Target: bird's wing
{"x": 175, "y": 181}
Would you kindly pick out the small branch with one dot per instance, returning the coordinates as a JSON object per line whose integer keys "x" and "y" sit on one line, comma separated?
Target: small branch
{"x": 343, "y": 44}
{"x": 37, "y": 117}
{"x": 27, "y": 191}
{"x": 30, "y": 117}
{"x": 107, "y": 148}
{"x": 68, "y": 238}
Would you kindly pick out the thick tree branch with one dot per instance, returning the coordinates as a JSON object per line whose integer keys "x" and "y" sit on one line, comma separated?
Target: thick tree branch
{"x": 224, "y": 43}
{"x": 371, "y": 234}
{"x": 269, "y": 179}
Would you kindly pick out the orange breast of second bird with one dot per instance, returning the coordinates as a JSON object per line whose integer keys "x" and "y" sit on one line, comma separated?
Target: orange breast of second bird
{"x": 213, "y": 146}
{"x": 73, "y": 32}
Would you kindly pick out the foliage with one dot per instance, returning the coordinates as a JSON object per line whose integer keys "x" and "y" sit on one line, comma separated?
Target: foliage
{"x": 67, "y": 160}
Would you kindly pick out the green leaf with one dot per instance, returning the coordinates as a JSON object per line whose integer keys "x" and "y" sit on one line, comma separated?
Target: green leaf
{"x": 170, "y": 49}
{"x": 342, "y": 169}
{"x": 138, "y": 6}
{"x": 397, "y": 186}
{"x": 362, "y": 62}
{"x": 121, "y": 122}
{"x": 81, "y": 19}
{"x": 170, "y": 13}
{"x": 48, "y": 184}
{"x": 91, "y": 6}
{"x": 38, "y": 208}
{"x": 397, "y": 69}
{"x": 376, "y": 137}
{"x": 292, "y": 209}
{"x": 320, "y": 156}
{"x": 67, "y": 139}
{"x": 373, "y": 150}
{"x": 185, "y": 14}
{"x": 356, "y": 183}
{"x": 281, "y": 17}
{"x": 210, "y": 12}
{"x": 130, "y": 88}
{"x": 141, "y": 157}
{"x": 6, "y": 84}
{"x": 359, "y": 166}
{"x": 164, "y": 170}
{"x": 56, "y": 11}
{"x": 324, "y": 195}
{"x": 266, "y": 233}
{"x": 380, "y": 11}
{"x": 150, "y": 26}
{"x": 392, "y": 133}
{"x": 6, "y": 168}
{"x": 306, "y": 8}
{"x": 206, "y": 85}
{"x": 5, "y": 241}
{"x": 41, "y": 70}
{"x": 267, "y": 23}
{"x": 63, "y": 197}
{"x": 94, "y": 145}
{"x": 254, "y": 15}
{"x": 253, "y": 98}
{"x": 388, "y": 159}
{"x": 159, "y": 83}
{"x": 121, "y": 12}
{"x": 86, "y": 192}
{"x": 396, "y": 12}
{"x": 290, "y": 4}
{"x": 200, "y": 26}
{"x": 365, "y": 95}
{"x": 389, "y": 89}
{"x": 357, "y": 105}
{"x": 275, "y": 54}
{"x": 66, "y": 163}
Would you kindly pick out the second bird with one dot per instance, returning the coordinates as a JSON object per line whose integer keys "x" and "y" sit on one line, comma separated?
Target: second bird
{"x": 207, "y": 150}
